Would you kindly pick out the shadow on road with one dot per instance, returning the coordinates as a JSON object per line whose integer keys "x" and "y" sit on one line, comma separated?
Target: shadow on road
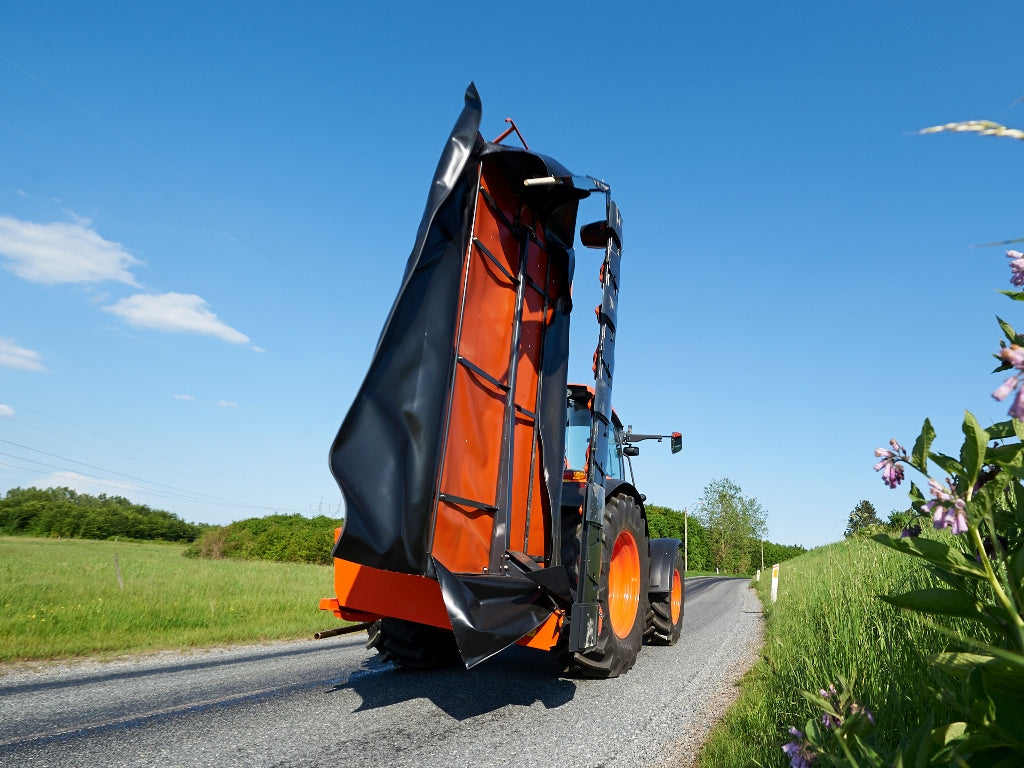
{"x": 517, "y": 676}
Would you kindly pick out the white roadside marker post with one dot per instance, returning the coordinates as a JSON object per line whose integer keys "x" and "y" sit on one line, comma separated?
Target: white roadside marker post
{"x": 775, "y": 582}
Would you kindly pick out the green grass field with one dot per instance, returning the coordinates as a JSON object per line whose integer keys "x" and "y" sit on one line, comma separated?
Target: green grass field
{"x": 827, "y": 625}
{"x": 61, "y": 599}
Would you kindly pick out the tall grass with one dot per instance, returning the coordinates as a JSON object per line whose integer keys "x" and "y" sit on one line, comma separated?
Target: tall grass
{"x": 828, "y": 624}
{"x": 61, "y": 598}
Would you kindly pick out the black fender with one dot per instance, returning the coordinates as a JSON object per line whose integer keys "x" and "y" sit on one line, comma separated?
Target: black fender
{"x": 663, "y": 557}
{"x": 615, "y": 487}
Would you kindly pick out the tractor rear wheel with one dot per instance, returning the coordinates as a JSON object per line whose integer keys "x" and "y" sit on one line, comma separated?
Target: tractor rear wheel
{"x": 622, "y": 593}
{"x": 665, "y": 617}
{"x": 412, "y": 645}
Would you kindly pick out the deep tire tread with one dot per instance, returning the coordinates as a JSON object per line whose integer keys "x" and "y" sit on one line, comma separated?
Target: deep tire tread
{"x": 411, "y": 645}
{"x": 614, "y": 656}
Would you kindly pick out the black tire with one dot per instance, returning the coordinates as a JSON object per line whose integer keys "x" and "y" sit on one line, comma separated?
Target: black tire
{"x": 412, "y": 645}
{"x": 617, "y": 647}
{"x": 663, "y": 623}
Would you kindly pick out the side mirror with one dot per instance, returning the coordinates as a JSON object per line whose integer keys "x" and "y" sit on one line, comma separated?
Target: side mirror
{"x": 630, "y": 450}
{"x": 677, "y": 442}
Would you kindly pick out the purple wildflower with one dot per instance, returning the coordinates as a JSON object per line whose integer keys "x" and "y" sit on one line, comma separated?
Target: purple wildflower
{"x": 1016, "y": 267}
{"x": 890, "y": 466}
{"x": 1013, "y": 354}
{"x": 860, "y": 709}
{"x": 800, "y": 753}
{"x": 946, "y": 508}
{"x": 911, "y": 532}
{"x": 1017, "y": 409}
{"x": 1006, "y": 388}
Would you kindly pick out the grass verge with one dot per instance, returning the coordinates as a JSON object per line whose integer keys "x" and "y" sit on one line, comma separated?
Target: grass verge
{"x": 61, "y": 599}
{"x": 828, "y": 624}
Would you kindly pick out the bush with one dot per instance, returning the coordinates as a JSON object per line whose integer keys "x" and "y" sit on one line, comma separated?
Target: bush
{"x": 281, "y": 538}
{"x": 64, "y": 513}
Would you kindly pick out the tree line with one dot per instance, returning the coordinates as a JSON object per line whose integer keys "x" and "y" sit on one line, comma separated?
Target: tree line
{"x": 725, "y": 532}
{"x": 62, "y": 512}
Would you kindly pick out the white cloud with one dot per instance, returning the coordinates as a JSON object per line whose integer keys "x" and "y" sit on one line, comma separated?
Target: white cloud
{"x": 13, "y": 356}
{"x": 226, "y": 404}
{"x": 6, "y": 411}
{"x": 90, "y": 485}
{"x": 175, "y": 312}
{"x": 62, "y": 253}
{"x": 187, "y": 398}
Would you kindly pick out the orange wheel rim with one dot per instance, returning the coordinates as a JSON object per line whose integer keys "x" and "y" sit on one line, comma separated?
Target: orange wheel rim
{"x": 677, "y": 596}
{"x": 624, "y": 584}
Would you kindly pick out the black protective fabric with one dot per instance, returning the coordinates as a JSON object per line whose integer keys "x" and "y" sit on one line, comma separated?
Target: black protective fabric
{"x": 386, "y": 455}
{"x": 489, "y": 613}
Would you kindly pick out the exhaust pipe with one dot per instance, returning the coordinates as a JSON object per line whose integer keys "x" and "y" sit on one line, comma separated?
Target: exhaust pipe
{"x": 342, "y": 630}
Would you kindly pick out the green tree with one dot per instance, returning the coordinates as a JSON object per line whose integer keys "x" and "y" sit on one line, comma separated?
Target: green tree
{"x": 863, "y": 520}
{"x": 733, "y": 522}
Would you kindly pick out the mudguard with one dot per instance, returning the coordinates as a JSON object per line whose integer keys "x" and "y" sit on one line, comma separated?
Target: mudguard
{"x": 663, "y": 557}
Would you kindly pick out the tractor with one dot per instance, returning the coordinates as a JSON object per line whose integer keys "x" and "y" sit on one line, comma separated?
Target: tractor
{"x": 486, "y": 498}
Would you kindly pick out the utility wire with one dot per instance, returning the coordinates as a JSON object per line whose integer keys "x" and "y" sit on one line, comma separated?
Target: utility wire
{"x": 130, "y": 486}
{"x": 199, "y": 472}
{"x": 192, "y": 495}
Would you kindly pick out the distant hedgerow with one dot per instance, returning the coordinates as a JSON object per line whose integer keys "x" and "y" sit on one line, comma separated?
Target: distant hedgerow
{"x": 64, "y": 513}
{"x": 282, "y": 538}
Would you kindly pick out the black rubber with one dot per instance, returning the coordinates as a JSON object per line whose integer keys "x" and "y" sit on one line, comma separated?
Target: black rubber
{"x": 570, "y": 549}
{"x": 660, "y": 629}
{"x": 616, "y": 655}
{"x": 411, "y": 645}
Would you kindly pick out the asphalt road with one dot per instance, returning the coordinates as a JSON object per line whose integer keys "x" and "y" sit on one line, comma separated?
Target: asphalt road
{"x": 331, "y": 703}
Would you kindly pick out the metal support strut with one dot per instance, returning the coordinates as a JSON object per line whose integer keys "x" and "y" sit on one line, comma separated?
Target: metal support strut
{"x": 585, "y": 614}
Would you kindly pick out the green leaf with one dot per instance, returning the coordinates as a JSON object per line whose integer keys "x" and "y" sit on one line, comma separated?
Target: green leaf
{"x": 944, "y": 734}
{"x": 999, "y": 674}
{"x": 923, "y": 444}
{"x": 1016, "y": 569}
{"x": 1004, "y": 455}
{"x": 917, "y": 750}
{"x": 1011, "y": 334}
{"x": 946, "y": 602}
{"x": 1017, "y": 472}
{"x": 1015, "y": 295}
{"x": 948, "y": 464}
{"x": 972, "y": 453}
{"x": 1001, "y": 430}
{"x": 916, "y": 497}
{"x": 944, "y": 556}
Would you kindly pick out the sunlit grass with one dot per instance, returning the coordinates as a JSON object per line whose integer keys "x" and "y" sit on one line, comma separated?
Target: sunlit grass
{"x": 61, "y": 598}
{"x": 827, "y": 625}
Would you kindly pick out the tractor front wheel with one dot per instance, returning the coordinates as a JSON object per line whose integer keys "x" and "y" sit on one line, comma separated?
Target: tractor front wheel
{"x": 622, "y": 594}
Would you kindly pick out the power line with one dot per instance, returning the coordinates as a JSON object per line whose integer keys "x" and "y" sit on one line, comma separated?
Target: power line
{"x": 197, "y": 471}
{"x": 184, "y": 495}
{"x": 191, "y": 495}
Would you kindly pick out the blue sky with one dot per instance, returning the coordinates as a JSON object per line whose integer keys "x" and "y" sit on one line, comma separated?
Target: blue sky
{"x": 205, "y": 214}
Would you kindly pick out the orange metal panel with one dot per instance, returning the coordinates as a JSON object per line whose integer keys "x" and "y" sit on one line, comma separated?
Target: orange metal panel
{"x": 386, "y": 593}
{"x": 546, "y": 636}
{"x": 463, "y": 535}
